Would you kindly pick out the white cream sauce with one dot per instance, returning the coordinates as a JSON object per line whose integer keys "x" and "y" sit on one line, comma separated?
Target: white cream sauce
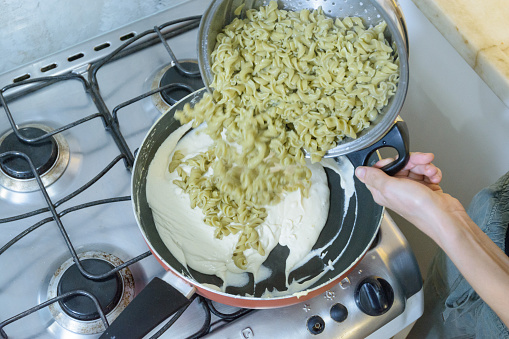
{"x": 343, "y": 167}
{"x": 295, "y": 222}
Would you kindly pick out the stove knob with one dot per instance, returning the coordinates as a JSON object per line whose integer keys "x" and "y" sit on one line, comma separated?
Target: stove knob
{"x": 338, "y": 312}
{"x": 374, "y": 296}
{"x": 316, "y": 325}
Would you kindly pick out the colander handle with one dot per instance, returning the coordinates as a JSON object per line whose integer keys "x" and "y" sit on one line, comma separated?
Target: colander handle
{"x": 396, "y": 138}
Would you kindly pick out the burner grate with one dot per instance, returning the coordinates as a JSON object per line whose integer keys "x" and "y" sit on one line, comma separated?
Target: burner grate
{"x": 124, "y": 50}
{"x": 21, "y": 88}
{"x": 56, "y": 217}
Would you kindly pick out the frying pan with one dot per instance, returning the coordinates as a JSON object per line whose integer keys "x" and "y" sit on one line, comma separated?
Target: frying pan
{"x": 350, "y": 233}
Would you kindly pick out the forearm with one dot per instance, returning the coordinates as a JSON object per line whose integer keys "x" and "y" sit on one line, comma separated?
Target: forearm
{"x": 483, "y": 264}
{"x": 414, "y": 194}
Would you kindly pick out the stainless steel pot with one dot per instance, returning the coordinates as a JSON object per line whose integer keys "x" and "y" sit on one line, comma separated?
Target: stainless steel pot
{"x": 221, "y": 12}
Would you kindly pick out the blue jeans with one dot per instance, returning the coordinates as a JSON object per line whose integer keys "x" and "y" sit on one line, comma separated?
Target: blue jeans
{"x": 452, "y": 309}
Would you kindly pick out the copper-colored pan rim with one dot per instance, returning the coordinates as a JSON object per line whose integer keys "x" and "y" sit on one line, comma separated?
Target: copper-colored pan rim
{"x": 255, "y": 302}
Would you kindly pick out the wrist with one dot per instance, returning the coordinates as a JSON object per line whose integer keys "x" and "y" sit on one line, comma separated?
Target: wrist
{"x": 444, "y": 220}
{"x": 452, "y": 228}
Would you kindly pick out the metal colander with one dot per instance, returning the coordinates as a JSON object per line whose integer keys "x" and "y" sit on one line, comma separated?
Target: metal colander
{"x": 221, "y": 12}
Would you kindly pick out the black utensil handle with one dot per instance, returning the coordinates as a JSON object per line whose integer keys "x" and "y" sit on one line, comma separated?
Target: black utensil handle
{"x": 155, "y": 303}
{"x": 397, "y": 138}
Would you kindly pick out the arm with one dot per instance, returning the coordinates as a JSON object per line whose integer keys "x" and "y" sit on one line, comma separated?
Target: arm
{"x": 415, "y": 194}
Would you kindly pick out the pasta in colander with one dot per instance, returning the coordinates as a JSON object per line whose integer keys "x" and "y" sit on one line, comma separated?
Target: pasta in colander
{"x": 284, "y": 82}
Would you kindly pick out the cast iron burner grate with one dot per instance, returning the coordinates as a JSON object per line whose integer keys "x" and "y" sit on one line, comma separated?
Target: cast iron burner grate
{"x": 186, "y": 80}
{"x": 208, "y": 309}
{"x": 69, "y": 294}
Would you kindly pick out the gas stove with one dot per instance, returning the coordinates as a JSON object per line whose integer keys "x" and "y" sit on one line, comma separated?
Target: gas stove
{"x": 71, "y": 253}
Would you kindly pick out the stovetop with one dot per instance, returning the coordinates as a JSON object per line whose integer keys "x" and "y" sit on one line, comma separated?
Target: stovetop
{"x": 98, "y": 100}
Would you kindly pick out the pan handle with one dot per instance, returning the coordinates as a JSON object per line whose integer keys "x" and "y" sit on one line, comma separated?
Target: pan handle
{"x": 160, "y": 299}
{"x": 397, "y": 138}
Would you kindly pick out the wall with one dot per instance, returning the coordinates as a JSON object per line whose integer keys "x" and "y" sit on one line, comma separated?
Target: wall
{"x": 451, "y": 112}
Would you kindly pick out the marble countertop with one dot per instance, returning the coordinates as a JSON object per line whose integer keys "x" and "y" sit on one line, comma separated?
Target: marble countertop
{"x": 479, "y": 31}
{"x": 53, "y": 25}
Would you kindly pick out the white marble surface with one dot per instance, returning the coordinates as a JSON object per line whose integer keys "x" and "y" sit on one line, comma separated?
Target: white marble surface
{"x": 33, "y": 29}
{"x": 479, "y": 31}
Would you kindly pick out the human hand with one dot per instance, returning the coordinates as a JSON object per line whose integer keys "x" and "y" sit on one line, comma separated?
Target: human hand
{"x": 414, "y": 192}
{"x": 419, "y": 169}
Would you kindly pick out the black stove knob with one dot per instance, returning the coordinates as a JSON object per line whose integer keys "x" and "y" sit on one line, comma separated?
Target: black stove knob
{"x": 338, "y": 312}
{"x": 316, "y": 325}
{"x": 374, "y": 296}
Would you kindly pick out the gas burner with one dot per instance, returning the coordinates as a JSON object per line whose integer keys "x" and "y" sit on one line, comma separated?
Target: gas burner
{"x": 181, "y": 84}
{"x": 49, "y": 156}
{"x": 78, "y": 313}
{"x": 43, "y": 153}
{"x": 108, "y": 291}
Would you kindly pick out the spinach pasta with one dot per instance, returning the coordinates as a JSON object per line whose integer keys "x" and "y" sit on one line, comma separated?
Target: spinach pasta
{"x": 284, "y": 83}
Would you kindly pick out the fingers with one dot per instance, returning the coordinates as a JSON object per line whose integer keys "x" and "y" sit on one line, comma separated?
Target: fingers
{"x": 416, "y": 158}
{"x": 383, "y": 162}
{"x": 377, "y": 182}
{"x": 433, "y": 174}
{"x": 419, "y": 158}
{"x": 419, "y": 168}
{"x": 426, "y": 172}
{"x": 411, "y": 192}
{"x": 373, "y": 177}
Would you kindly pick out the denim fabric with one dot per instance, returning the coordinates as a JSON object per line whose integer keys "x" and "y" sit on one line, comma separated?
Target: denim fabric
{"x": 452, "y": 309}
